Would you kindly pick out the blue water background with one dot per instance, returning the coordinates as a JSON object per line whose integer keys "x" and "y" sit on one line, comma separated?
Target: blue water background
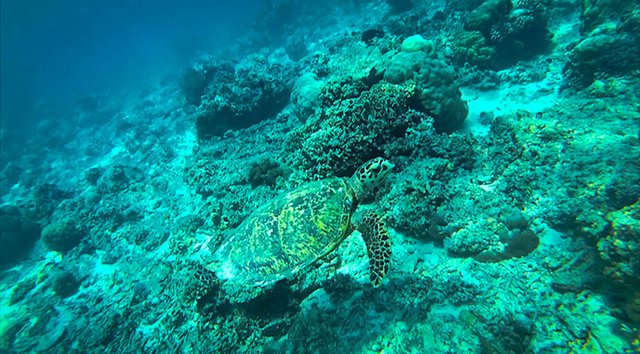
{"x": 56, "y": 52}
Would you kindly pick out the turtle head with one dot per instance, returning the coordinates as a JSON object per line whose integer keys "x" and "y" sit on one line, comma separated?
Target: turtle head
{"x": 371, "y": 174}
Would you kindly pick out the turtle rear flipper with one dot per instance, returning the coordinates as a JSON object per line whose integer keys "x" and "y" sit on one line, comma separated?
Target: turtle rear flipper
{"x": 374, "y": 233}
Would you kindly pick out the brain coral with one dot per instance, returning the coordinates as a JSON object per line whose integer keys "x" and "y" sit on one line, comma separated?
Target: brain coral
{"x": 403, "y": 66}
{"x": 439, "y": 95}
{"x": 436, "y": 91}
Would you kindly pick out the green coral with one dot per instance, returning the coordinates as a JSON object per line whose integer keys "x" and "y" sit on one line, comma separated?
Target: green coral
{"x": 416, "y": 43}
{"x": 438, "y": 94}
{"x": 484, "y": 16}
{"x": 436, "y": 91}
{"x": 62, "y": 236}
{"x": 510, "y": 31}
{"x": 403, "y": 66}
{"x": 620, "y": 247}
{"x": 471, "y": 47}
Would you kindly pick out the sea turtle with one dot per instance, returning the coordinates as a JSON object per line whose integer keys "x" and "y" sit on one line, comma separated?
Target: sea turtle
{"x": 298, "y": 228}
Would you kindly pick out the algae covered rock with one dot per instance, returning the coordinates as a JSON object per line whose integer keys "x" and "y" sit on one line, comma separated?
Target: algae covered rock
{"x": 597, "y": 12}
{"x": 65, "y": 284}
{"x": 118, "y": 178}
{"x": 197, "y": 78}
{"x": 266, "y": 172}
{"x": 612, "y": 48}
{"x": 619, "y": 249}
{"x": 416, "y": 194}
{"x": 62, "y": 236}
{"x": 47, "y": 197}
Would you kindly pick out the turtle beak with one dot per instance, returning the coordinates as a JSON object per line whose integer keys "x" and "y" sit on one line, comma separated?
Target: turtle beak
{"x": 386, "y": 168}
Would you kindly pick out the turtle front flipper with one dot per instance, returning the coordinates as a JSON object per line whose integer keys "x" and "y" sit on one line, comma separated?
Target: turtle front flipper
{"x": 375, "y": 235}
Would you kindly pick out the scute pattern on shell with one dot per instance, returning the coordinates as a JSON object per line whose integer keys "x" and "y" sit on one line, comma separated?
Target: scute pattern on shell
{"x": 289, "y": 233}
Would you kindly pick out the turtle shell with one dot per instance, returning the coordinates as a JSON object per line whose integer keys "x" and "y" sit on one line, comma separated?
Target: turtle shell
{"x": 287, "y": 234}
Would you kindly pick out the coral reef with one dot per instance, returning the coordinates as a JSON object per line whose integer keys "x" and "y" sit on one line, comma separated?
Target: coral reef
{"x": 256, "y": 90}
{"x": 207, "y": 70}
{"x": 356, "y": 124}
{"x": 607, "y": 47}
{"x": 436, "y": 92}
{"x": 503, "y": 32}
{"x": 619, "y": 247}
{"x": 306, "y": 95}
{"x": 266, "y": 172}
{"x": 62, "y": 236}
{"x": 513, "y": 208}
{"x": 472, "y": 47}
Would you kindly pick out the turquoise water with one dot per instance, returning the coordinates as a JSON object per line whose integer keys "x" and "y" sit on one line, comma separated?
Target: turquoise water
{"x": 140, "y": 141}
